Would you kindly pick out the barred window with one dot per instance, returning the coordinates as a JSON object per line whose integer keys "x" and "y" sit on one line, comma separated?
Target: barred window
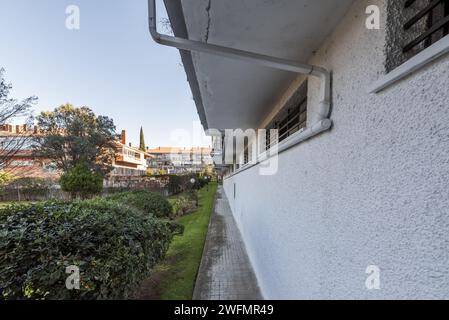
{"x": 436, "y": 16}
{"x": 413, "y": 26}
{"x": 291, "y": 119}
{"x": 246, "y": 151}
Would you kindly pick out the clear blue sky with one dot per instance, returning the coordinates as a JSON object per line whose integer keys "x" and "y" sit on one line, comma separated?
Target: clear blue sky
{"x": 110, "y": 65}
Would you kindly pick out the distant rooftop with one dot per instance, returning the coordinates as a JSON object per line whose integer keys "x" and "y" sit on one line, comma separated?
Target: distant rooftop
{"x": 177, "y": 150}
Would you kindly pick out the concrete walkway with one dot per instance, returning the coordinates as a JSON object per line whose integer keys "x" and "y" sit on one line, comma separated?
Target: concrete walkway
{"x": 225, "y": 272}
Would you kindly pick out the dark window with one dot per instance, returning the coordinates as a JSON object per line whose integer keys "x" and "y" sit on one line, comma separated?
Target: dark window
{"x": 433, "y": 18}
{"x": 246, "y": 152}
{"x": 291, "y": 119}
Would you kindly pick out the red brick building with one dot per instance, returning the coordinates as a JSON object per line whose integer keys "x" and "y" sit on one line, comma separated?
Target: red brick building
{"x": 24, "y": 164}
{"x": 129, "y": 161}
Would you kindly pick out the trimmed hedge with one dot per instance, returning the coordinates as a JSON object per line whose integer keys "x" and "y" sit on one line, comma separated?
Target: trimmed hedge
{"x": 148, "y": 202}
{"x": 114, "y": 245}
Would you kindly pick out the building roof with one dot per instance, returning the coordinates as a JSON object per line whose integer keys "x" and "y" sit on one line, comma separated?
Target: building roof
{"x": 232, "y": 94}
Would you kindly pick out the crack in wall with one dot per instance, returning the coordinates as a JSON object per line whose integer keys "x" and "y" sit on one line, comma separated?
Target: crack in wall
{"x": 208, "y": 8}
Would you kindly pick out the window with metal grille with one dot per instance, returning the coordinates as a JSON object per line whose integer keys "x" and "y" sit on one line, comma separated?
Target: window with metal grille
{"x": 434, "y": 17}
{"x": 246, "y": 151}
{"x": 290, "y": 120}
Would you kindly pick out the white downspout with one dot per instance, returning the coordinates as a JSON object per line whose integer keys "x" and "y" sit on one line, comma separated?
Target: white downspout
{"x": 268, "y": 61}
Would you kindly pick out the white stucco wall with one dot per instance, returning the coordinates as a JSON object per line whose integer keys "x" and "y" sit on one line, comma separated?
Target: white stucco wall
{"x": 373, "y": 190}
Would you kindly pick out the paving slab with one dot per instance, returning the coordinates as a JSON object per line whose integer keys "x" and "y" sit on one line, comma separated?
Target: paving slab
{"x": 225, "y": 272}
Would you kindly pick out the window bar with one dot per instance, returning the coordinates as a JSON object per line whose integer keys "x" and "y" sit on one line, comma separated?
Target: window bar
{"x": 440, "y": 24}
{"x": 421, "y": 14}
{"x": 428, "y": 40}
{"x": 435, "y": 23}
{"x": 446, "y": 13}
{"x": 409, "y": 3}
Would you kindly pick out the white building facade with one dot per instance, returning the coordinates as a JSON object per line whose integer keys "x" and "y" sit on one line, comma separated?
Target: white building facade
{"x": 176, "y": 160}
{"x": 371, "y": 190}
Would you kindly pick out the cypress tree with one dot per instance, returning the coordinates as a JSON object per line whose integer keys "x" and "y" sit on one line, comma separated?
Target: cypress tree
{"x": 142, "y": 140}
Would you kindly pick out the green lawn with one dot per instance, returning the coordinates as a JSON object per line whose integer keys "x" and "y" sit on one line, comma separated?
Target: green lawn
{"x": 175, "y": 278}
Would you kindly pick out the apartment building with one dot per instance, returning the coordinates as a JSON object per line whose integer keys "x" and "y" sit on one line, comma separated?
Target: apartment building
{"x": 359, "y": 113}
{"x": 129, "y": 161}
{"x": 175, "y": 160}
{"x": 16, "y": 141}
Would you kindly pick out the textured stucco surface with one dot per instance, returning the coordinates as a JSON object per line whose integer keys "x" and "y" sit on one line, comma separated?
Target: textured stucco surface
{"x": 373, "y": 190}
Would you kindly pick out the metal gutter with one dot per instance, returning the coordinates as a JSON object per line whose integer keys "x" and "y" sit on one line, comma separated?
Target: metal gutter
{"x": 268, "y": 61}
{"x": 177, "y": 21}
{"x": 323, "y": 122}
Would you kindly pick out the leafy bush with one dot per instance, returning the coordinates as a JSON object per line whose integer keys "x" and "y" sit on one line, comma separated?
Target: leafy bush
{"x": 156, "y": 172}
{"x": 193, "y": 196}
{"x": 81, "y": 181}
{"x": 180, "y": 183}
{"x": 27, "y": 189}
{"x": 199, "y": 181}
{"x": 176, "y": 183}
{"x": 145, "y": 201}
{"x": 183, "y": 206}
{"x": 5, "y": 178}
{"x": 28, "y": 183}
{"x": 114, "y": 246}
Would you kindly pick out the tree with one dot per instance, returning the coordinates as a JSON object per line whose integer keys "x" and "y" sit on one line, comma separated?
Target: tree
{"x": 13, "y": 109}
{"x": 70, "y": 136}
{"x": 5, "y": 178}
{"x": 208, "y": 171}
{"x": 142, "y": 140}
{"x": 81, "y": 181}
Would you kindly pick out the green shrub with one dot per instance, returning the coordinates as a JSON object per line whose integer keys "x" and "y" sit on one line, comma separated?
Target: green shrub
{"x": 180, "y": 183}
{"x": 145, "y": 201}
{"x": 176, "y": 183}
{"x": 30, "y": 184}
{"x": 200, "y": 181}
{"x": 80, "y": 181}
{"x": 193, "y": 195}
{"x": 29, "y": 189}
{"x": 114, "y": 246}
{"x": 5, "y": 178}
{"x": 183, "y": 206}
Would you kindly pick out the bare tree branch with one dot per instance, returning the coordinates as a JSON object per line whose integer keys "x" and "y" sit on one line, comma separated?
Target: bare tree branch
{"x": 11, "y": 109}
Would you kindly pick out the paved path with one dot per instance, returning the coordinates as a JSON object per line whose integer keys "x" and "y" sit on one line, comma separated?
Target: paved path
{"x": 225, "y": 272}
